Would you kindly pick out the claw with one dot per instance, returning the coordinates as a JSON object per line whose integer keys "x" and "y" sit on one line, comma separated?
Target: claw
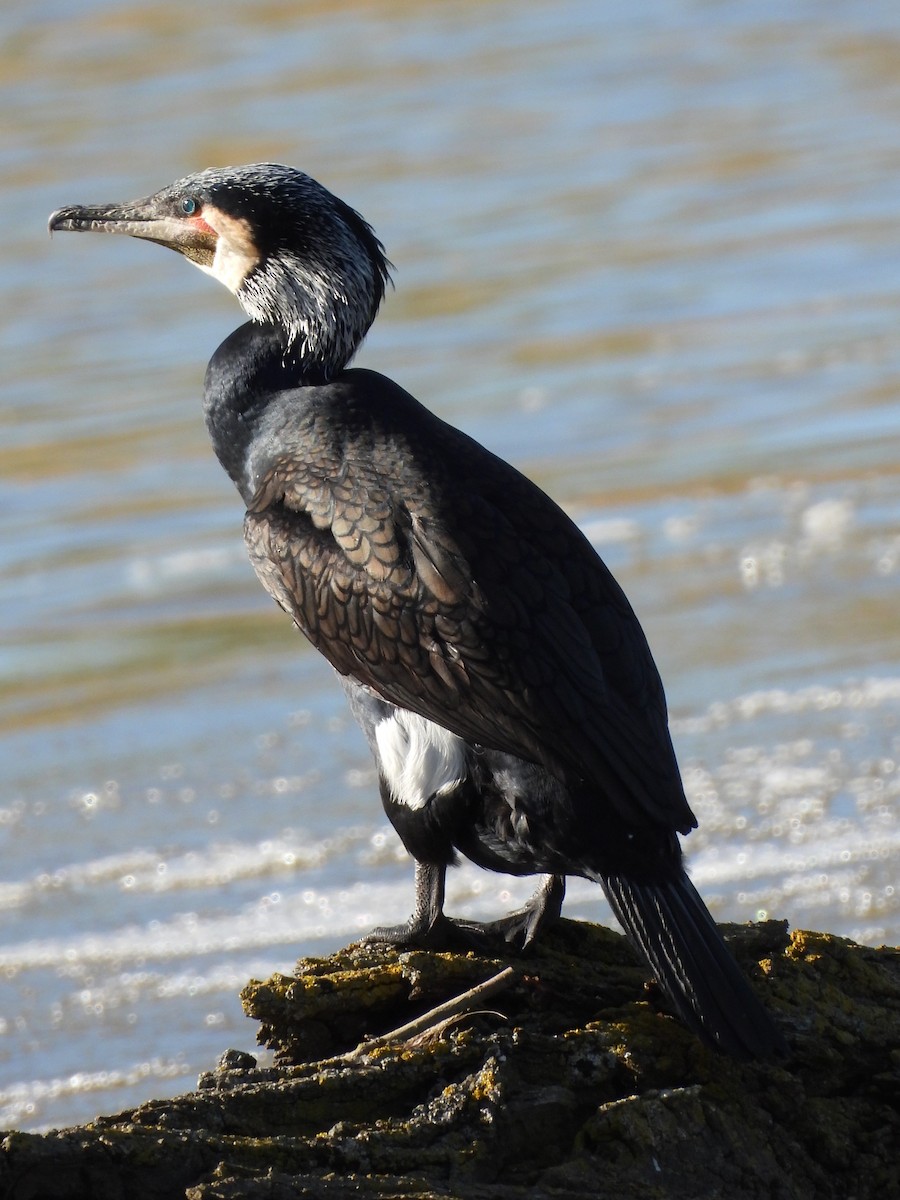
{"x": 429, "y": 929}
{"x": 415, "y": 934}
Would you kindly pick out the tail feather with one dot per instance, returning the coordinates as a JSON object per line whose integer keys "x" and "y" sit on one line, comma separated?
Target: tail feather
{"x": 670, "y": 926}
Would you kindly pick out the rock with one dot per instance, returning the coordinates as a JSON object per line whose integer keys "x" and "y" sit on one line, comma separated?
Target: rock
{"x": 236, "y": 1060}
{"x": 569, "y": 1082}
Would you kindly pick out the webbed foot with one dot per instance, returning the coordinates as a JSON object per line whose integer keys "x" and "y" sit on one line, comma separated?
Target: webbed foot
{"x": 522, "y": 926}
{"x": 439, "y": 934}
{"x": 429, "y": 929}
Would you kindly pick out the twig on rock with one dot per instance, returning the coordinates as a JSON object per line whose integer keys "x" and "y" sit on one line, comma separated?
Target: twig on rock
{"x": 439, "y": 1015}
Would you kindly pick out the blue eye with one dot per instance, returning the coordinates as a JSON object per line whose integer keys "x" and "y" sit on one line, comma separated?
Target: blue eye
{"x": 189, "y": 206}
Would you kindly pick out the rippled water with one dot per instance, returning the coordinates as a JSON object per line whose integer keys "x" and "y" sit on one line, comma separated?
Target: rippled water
{"x": 651, "y": 254}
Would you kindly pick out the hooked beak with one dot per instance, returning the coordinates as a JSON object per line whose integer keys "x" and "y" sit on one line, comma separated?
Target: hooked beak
{"x": 145, "y": 219}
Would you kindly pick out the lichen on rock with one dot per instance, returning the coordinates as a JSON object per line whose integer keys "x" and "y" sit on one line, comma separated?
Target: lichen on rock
{"x": 570, "y": 1082}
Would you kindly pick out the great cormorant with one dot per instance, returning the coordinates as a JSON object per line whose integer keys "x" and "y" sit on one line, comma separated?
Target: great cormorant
{"x": 499, "y": 673}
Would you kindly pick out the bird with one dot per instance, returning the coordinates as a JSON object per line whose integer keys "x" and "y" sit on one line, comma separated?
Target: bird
{"x": 500, "y": 675}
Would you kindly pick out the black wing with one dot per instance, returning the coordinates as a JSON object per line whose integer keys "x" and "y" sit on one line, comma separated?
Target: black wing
{"x": 423, "y": 566}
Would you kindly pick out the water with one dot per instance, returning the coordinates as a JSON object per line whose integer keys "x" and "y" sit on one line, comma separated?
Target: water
{"x": 650, "y": 254}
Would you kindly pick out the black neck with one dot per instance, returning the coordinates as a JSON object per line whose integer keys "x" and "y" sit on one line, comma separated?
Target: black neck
{"x": 252, "y": 364}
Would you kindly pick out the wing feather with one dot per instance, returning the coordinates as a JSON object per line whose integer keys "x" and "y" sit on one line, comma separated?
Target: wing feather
{"x": 465, "y": 595}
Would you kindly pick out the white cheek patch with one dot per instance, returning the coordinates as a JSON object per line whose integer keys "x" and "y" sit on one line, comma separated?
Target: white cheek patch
{"x": 236, "y": 253}
{"x": 418, "y": 758}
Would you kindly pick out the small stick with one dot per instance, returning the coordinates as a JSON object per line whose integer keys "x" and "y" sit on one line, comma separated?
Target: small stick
{"x": 450, "y": 1008}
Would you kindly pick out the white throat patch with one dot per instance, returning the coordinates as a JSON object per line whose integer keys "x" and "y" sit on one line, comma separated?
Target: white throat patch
{"x": 418, "y": 758}
{"x": 236, "y": 254}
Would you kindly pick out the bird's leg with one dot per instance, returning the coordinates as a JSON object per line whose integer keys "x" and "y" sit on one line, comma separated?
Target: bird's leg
{"x": 427, "y": 927}
{"x": 522, "y": 926}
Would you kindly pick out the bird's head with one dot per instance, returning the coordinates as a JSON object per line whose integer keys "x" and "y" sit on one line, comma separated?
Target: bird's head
{"x": 293, "y": 254}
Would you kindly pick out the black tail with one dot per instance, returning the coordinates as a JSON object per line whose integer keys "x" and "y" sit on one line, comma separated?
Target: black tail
{"x": 671, "y": 927}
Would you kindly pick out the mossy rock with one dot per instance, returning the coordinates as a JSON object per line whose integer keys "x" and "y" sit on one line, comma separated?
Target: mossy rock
{"x": 573, "y": 1083}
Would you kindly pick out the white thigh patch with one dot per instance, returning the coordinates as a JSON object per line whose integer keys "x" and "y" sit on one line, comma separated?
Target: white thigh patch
{"x": 418, "y": 758}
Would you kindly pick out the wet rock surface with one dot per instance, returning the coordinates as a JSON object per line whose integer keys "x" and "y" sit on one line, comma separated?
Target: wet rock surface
{"x": 569, "y": 1080}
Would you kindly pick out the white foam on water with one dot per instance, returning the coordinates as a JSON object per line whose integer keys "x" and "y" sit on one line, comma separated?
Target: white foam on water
{"x": 21, "y": 1101}
{"x": 151, "y": 574}
{"x": 867, "y": 693}
{"x": 276, "y": 919}
{"x": 601, "y": 531}
{"x": 216, "y": 866}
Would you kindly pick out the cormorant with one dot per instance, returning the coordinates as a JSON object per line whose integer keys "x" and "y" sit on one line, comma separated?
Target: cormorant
{"x": 502, "y": 680}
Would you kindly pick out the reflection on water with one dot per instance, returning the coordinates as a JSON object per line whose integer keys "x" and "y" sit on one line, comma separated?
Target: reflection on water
{"x": 649, "y": 255}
